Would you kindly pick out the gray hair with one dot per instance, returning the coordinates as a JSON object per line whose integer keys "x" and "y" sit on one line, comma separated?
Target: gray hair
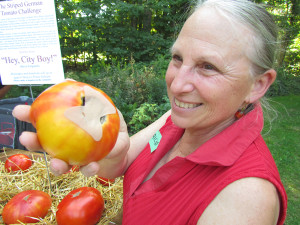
{"x": 259, "y": 21}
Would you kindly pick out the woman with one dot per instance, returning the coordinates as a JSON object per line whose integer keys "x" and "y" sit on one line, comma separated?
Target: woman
{"x": 209, "y": 164}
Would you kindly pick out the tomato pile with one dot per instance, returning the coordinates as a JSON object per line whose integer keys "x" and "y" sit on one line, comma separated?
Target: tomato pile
{"x": 83, "y": 205}
{"x": 42, "y": 205}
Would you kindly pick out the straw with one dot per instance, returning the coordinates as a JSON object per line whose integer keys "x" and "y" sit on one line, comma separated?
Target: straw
{"x": 36, "y": 178}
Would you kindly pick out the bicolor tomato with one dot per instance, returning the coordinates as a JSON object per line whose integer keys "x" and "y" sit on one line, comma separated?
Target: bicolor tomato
{"x": 27, "y": 207}
{"x": 75, "y": 122}
{"x": 18, "y": 162}
{"x": 81, "y": 206}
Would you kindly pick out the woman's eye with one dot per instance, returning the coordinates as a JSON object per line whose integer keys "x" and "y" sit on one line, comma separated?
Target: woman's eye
{"x": 209, "y": 67}
{"x": 176, "y": 58}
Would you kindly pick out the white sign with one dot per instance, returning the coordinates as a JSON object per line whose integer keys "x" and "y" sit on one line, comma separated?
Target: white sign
{"x": 29, "y": 43}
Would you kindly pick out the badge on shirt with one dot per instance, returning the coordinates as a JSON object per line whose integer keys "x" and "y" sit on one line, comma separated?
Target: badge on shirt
{"x": 154, "y": 142}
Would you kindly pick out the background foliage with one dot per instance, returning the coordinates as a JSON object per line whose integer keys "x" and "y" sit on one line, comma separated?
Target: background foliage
{"x": 93, "y": 30}
{"x": 282, "y": 137}
{"x": 96, "y": 30}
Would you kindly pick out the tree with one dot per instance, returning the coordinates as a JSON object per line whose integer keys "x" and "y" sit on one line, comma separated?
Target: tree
{"x": 117, "y": 29}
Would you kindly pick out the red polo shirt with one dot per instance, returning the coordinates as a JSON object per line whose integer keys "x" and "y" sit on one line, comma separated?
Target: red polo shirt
{"x": 180, "y": 191}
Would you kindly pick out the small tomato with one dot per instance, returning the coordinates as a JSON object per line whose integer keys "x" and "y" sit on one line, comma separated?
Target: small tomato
{"x": 75, "y": 122}
{"x": 17, "y": 162}
{"x": 26, "y": 207}
{"x": 81, "y": 206}
{"x": 105, "y": 181}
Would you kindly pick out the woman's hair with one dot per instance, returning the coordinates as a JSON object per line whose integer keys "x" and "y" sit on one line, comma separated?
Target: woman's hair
{"x": 255, "y": 17}
{"x": 262, "y": 42}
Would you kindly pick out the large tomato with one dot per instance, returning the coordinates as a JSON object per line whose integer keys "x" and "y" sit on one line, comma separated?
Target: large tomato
{"x": 81, "y": 206}
{"x": 17, "y": 162}
{"x": 75, "y": 122}
{"x": 26, "y": 207}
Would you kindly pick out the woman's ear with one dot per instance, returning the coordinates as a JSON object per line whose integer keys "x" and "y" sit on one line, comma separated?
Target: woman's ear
{"x": 261, "y": 85}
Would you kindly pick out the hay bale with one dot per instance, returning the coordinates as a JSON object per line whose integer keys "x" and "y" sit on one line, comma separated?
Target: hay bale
{"x": 36, "y": 178}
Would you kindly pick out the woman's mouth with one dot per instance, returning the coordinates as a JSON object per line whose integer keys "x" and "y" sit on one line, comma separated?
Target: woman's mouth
{"x": 186, "y": 105}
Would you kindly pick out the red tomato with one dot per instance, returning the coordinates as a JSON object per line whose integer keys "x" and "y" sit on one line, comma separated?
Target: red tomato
{"x": 26, "y": 206}
{"x": 75, "y": 122}
{"x": 81, "y": 206}
{"x": 105, "y": 181}
{"x": 17, "y": 162}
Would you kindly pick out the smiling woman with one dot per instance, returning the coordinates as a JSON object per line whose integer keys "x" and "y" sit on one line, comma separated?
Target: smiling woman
{"x": 209, "y": 72}
{"x": 204, "y": 161}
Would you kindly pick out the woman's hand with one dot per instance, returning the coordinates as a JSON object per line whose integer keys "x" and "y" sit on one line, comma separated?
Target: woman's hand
{"x": 112, "y": 165}
{"x": 28, "y": 139}
{"x": 115, "y": 163}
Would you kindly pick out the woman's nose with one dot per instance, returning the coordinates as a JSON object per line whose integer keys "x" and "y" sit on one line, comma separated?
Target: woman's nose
{"x": 182, "y": 82}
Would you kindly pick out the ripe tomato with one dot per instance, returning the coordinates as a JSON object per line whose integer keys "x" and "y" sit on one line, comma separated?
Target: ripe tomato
{"x": 26, "y": 206}
{"x": 17, "y": 162}
{"x": 75, "y": 122}
{"x": 81, "y": 206}
{"x": 105, "y": 181}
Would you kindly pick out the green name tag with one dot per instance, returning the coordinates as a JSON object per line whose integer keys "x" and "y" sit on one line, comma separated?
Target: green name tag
{"x": 154, "y": 142}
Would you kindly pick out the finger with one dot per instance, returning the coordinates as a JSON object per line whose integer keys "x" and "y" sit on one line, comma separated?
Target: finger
{"x": 30, "y": 141}
{"x": 59, "y": 167}
{"x": 90, "y": 170}
{"x": 22, "y": 112}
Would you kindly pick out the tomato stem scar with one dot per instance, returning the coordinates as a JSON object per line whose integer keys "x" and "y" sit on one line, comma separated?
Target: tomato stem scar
{"x": 26, "y": 197}
{"x": 76, "y": 194}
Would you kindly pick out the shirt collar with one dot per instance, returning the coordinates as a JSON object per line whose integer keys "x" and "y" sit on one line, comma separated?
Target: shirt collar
{"x": 226, "y": 147}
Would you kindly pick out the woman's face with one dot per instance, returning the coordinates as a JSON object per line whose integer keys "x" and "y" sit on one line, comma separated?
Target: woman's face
{"x": 208, "y": 78}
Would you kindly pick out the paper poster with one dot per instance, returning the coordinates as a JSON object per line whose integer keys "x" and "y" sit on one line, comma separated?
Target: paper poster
{"x": 29, "y": 43}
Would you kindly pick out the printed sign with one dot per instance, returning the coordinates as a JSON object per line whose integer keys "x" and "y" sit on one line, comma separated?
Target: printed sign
{"x": 154, "y": 142}
{"x": 29, "y": 43}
